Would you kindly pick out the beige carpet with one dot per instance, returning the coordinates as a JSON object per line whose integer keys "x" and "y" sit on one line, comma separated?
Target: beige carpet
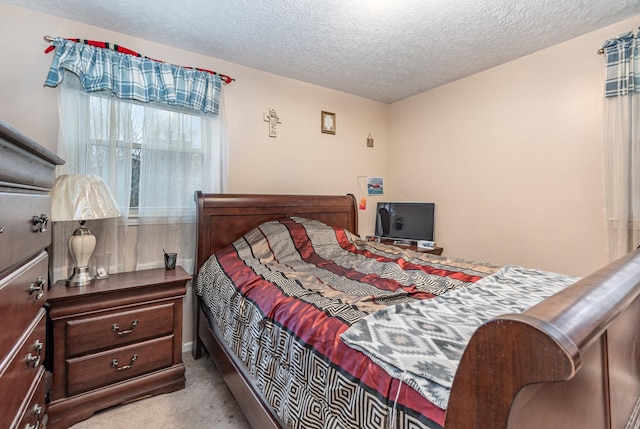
{"x": 205, "y": 402}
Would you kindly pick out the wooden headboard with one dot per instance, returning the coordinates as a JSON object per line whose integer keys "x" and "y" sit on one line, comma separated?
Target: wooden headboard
{"x": 222, "y": 219}
{"x": 235, "y": 214}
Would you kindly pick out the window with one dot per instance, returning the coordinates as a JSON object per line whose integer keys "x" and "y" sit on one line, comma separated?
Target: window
{"x": 157, "y": 153}
{"x": 153, "y": 157}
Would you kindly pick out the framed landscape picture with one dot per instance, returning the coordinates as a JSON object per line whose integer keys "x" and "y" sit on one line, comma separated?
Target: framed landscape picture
{"x": 375, "y": 186}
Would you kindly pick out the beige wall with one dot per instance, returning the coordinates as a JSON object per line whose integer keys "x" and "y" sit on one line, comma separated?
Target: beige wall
{"x": 512, "y": 158}
{"x": 300, "y": 160}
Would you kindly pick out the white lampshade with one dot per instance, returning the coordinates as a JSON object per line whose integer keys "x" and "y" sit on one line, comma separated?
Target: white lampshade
{"x": 81, "y": 197}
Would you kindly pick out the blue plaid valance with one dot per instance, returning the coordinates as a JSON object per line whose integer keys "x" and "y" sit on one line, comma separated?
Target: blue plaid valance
{"x": 623, "y": 67}
{"x": 135, "y": 78}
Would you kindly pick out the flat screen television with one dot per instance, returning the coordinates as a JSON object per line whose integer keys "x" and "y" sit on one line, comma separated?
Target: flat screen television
{"x": 405, "y": 221}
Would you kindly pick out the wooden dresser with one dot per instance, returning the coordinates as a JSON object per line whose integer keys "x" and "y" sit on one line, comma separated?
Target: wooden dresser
{"x": 26, "y": 176}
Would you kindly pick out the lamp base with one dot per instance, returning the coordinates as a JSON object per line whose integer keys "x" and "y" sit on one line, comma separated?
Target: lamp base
{"x": 80, "y": 277}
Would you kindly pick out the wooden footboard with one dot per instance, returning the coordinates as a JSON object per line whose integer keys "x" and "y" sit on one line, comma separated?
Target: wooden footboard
{"x": 570, "y": 362}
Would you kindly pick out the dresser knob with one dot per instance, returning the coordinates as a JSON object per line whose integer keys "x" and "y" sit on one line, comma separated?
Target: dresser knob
{"x": 37, "y": 288}
{"x": 34, "y": 360}
{"x": 37, "y": 425}
{"x": 41, "y": 222}
{"x": 37, "y": 411}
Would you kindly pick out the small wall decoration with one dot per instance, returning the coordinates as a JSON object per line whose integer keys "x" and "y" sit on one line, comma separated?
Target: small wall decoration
{"x": 328, "y": 122}
{"x": 362, "y": 205}
{"x": 375, "y": 186}
{"x": 273, "y": 119}
{"x": 369, "y": 141}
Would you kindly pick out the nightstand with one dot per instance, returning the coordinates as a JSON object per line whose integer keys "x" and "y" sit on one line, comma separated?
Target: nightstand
{"x": 116, "y": 340}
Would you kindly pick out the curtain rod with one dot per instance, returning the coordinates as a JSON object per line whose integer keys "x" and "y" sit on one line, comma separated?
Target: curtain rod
{"x": 225, "y": 79}
{"x": 635, "y": 33}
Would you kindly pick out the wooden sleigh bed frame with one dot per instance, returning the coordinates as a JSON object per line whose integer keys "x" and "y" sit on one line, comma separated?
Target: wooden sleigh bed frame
{"x": 570, "y": 362}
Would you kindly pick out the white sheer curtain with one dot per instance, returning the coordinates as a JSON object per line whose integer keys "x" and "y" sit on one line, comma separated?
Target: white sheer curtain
{"x": 184, "y": 153}
{"x": 622, "y": 173}
{"x": 153, "y": 157}
{"x": 622, "y": 143}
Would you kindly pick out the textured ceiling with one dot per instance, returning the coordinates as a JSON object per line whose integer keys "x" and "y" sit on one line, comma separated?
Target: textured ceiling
{"x": 385, "y": 50}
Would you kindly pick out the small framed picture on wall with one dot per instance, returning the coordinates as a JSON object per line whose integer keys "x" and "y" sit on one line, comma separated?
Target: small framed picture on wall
{"x": 375, "y": 186}
{"x": 328, "y": 122}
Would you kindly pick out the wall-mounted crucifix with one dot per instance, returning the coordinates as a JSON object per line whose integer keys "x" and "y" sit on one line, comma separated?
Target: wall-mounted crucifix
{"x": 273, "y": 119}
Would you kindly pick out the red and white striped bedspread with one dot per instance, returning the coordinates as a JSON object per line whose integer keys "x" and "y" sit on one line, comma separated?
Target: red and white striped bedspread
{"x": 284, "y": 293}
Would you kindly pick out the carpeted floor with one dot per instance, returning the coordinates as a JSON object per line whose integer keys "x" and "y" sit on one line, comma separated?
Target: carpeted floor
{"x": 205, "y": 403}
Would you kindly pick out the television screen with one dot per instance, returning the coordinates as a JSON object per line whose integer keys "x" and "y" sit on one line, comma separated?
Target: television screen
{"x": 405, "y": 221}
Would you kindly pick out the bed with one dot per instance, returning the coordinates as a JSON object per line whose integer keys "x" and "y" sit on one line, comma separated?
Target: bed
{"x": 568, "y": 361}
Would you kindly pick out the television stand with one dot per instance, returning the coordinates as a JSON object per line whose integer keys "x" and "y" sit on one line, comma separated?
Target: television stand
{"x": 411, "y": 245}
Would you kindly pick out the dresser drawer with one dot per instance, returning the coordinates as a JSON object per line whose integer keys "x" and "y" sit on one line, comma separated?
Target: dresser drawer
{"x": 18, "y": 303}
{"x": 20, "y": 368}
{"x": 96, "y": 370}
{"x": 118, "y": 328}
{"x": 34, "y": 414}
{"x": 20, "y": 238}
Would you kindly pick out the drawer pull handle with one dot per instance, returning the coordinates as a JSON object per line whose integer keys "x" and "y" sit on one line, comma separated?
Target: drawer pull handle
{"x": 115, "y": 363}
{"x": 116, "y": 328}
{"x": 41, "y": 222}
{"x": 39, "y": 288}
{"x": 37, "y": 411}
{"x": 34, "y": 360}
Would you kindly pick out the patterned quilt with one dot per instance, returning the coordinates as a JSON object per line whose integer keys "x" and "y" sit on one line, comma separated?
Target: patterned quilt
{"x": 283, "y": 294}
{"x": 422, "y": 342}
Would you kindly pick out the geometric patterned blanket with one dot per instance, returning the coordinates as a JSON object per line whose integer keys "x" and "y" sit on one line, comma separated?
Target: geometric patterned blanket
{"x": 282, "y": 295}
{"x": 422, "y": 342}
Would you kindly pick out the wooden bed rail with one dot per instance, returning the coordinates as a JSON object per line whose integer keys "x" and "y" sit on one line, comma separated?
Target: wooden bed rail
{"x": 515, "y": 366}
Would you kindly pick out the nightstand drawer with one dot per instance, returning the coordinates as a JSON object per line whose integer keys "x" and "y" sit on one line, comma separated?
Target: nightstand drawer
{"x": 100, "y": 369}
{"x": 20, "y": 370}
{"x": 22, "y": 294}
{"x": 118, "y": 328}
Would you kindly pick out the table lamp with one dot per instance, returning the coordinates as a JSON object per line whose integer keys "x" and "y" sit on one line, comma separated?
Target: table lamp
{"x": 81, "y": 197}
